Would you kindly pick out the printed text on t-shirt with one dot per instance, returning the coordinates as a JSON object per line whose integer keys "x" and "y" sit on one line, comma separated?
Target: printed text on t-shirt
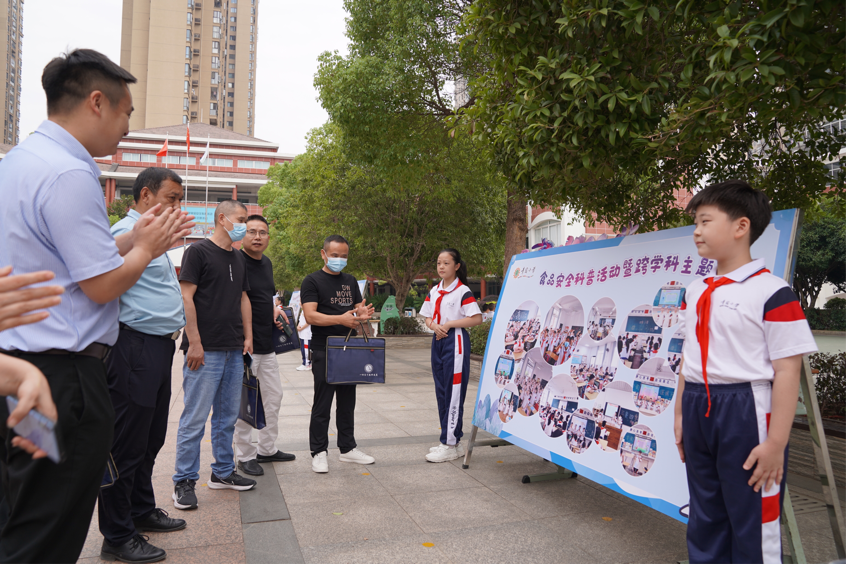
{"x": 344, "y": 296}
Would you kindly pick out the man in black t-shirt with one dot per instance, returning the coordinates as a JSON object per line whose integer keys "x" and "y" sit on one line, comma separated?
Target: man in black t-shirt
{"x": 218, "y": 332}
{"x": 332, "y": 305}
{"x": 264, "y": 366}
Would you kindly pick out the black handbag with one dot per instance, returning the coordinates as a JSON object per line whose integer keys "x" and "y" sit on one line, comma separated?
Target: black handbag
{"x": 355, "y": 360}
{"x": 251, "y": 411}
{"x": 286, "y": 339}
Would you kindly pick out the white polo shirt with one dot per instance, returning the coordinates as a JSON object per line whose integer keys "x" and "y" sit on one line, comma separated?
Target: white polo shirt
{"x": 754, "y": 320}
{"x": 457, "y": 304}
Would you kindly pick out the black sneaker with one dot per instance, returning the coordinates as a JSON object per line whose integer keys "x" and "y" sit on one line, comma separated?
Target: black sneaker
{"x": 184, "y": 496}
{"x": 136, "y": 549}
{"x": 279, "y": 456}
{"x": 251, "y": 467}
{"x": 232, "y": 482}
{"x": 160, "y": 522}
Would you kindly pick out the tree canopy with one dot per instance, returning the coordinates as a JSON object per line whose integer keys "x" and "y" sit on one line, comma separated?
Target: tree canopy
{"x": 822, "y": 253}
{"x": 611, "y": 106}
{"x": 396, "y": 225}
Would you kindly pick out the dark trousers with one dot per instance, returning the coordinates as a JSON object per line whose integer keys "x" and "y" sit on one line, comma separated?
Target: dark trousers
{"x": 138, "y": 371}
{"x": 729, "y": 521}
{"x": 47, "y": 507}
{"x": 451, "y": 371}
{"x": 318, "y": 430}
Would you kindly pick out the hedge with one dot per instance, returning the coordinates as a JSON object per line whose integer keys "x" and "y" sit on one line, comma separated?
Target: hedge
{"x": 402, "y": 326}
{"x": 479, "y": 337}
{"x": 830, "y": 382}
{"x": 826, "y": 319}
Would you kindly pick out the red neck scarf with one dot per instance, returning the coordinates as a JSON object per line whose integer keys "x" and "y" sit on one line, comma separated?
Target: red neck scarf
{"x": 437, "y": 316}
{"x": 703, "y": 317}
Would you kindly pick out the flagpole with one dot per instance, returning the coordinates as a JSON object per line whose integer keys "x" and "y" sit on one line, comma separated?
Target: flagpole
{"x": 206, "y": 207}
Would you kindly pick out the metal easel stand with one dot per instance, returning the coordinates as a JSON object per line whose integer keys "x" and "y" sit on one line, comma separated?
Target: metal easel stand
{"x": 484, "y": 442}
{"x": 824, "y": 471}
{"x": 559, "y": 474}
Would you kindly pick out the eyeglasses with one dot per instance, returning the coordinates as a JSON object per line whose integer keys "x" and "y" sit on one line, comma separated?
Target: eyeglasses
{"x": 253, "y": 233}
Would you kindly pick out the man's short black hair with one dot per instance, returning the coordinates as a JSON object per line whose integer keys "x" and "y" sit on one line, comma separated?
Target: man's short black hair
{"x": 257, "y": 217}
{"x": 152, "y": 179}
{"x": 334, "y": 239}
{"x": 736, "y": 199}
{"x": 71, "y": 78}
{"x": 226, "y": 207}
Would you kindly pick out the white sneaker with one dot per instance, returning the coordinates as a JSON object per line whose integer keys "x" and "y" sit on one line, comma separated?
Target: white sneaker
{"x": 357, "y": 456}
{"x": 442, "y": 445}
{"x": 444, "y": 454}
{"x": 320, "y": 463}
{"x": 304, "y": 367}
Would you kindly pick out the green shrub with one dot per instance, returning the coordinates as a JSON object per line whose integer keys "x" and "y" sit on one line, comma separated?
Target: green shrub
{"x": 826, "y": 319}
{"x": 378, "y": 300}
{"x": 836, "y": 303}
{"x": 402, "y": 326}
{"x": 479, "y": 338}
{"x": 830, "y": 382}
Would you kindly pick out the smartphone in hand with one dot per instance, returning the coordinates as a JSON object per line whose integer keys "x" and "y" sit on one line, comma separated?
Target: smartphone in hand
{"x": 40, "y": 430}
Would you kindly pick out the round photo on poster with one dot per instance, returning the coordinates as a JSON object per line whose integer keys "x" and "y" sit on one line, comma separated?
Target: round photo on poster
{"x": 580, "y": 430}
{"x": 600, "y": 320}
{"x": 639, "y": 338}
{"x": 654, "y": 386}
{"x": 504, "y": 368}
{"x": 614, "y": 414}
{"x": 666, "y": 307}
{"x": 562, "y": 329}
{"x": 507, "y": 405}
{"x": 674, "y": 350}
{"x": 593, "y": 366}
{"x": 558, "y": 400}
{"x": 638, "y": 450}
{"x": 530, "y": 380}
{"x": 521, "y": 333}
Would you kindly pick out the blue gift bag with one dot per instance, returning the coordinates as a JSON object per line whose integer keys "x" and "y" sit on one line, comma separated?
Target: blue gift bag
{"x": 287, "y": 339}
{"x": 355, "y": 360}
{"x": 252, "y": 407}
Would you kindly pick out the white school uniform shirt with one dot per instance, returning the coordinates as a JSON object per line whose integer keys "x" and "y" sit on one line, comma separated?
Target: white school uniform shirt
{"x": 754, "y": 321}
{"x": 457, "y": 304}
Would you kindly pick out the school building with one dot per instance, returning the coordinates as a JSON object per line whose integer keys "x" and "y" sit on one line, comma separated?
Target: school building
{"x": 236, "y": 168}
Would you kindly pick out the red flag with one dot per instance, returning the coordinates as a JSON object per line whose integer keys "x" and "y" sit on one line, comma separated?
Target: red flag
{"x": 187, "y": 138}
{"x": 163, "y": 151}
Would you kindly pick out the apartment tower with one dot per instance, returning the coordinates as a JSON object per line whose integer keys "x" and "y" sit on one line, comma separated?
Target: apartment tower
{"x": 11, "y": 30}
{"x": 195, "y": 61}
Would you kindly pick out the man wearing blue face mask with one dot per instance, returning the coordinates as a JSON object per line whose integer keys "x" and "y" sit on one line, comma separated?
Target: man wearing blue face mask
{"x": 332, "y": 305}
{"x": 218, "y": 332}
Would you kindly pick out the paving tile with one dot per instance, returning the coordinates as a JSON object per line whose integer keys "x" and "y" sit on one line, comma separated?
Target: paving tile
{"x": 377, "y": 431}
{"x": 271, "y": 543}
{"x": 382, "y": 406}
{"x": 409, "y": 415}
{"x": 458, "y": 509}
{"x": 311, "y": 487}
{"x": 228, "y": 553}
{"x": 419, "y": 478}
{"x": 504, "y": 469}
{"x": 523, "y": 541}
{"x": 419, "y": 427}
{"x": 209, "y": 524}
{"x": 408, "y": 550}
{"x": 265, "y": 502}
{"x": 372, "y": 518}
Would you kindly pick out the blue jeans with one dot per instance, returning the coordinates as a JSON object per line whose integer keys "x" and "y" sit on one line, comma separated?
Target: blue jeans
{"x": 217, "y": 385}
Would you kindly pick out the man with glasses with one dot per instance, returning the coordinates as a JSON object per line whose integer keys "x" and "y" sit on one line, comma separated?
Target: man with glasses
{"x": 265, "y": 367}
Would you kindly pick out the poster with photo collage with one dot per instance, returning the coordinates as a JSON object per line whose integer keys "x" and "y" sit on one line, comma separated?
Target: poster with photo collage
{"x": 583, "y": 356}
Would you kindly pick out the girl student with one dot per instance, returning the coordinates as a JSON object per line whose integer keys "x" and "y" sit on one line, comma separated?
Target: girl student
{"x": 449, "y": 309}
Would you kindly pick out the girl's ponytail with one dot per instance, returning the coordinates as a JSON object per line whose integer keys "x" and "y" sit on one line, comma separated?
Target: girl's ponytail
{"x": 461, "y": 274}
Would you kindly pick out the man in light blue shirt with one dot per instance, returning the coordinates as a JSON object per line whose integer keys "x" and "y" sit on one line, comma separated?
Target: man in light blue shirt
{"x": 53, "y": 217}
{"x": 139, "y": 376}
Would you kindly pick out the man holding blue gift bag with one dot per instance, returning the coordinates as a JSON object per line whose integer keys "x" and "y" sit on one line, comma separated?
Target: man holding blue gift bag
{"x": 332, "y": 305}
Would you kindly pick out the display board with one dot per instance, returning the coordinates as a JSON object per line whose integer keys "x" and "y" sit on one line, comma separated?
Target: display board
{"x": 603, "y": 406}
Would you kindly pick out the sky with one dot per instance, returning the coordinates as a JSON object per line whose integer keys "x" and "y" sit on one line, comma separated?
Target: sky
{"x": 292, "y": 33}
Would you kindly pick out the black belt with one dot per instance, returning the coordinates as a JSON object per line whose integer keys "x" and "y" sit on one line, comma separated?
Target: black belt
{"x": 94, "y": 350}
{"x": 171, "y": 337}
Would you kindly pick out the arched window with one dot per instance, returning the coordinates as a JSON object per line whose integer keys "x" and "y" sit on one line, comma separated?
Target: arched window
{"x": 548, "y": 229}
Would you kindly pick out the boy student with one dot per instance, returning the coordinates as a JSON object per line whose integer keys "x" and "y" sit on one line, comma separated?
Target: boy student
{"x": 745, "y": 335}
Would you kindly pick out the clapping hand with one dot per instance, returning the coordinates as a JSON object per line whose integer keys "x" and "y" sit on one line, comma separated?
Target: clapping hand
{"x": 15, "y": 301}
{"x": 363, "y": 311}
